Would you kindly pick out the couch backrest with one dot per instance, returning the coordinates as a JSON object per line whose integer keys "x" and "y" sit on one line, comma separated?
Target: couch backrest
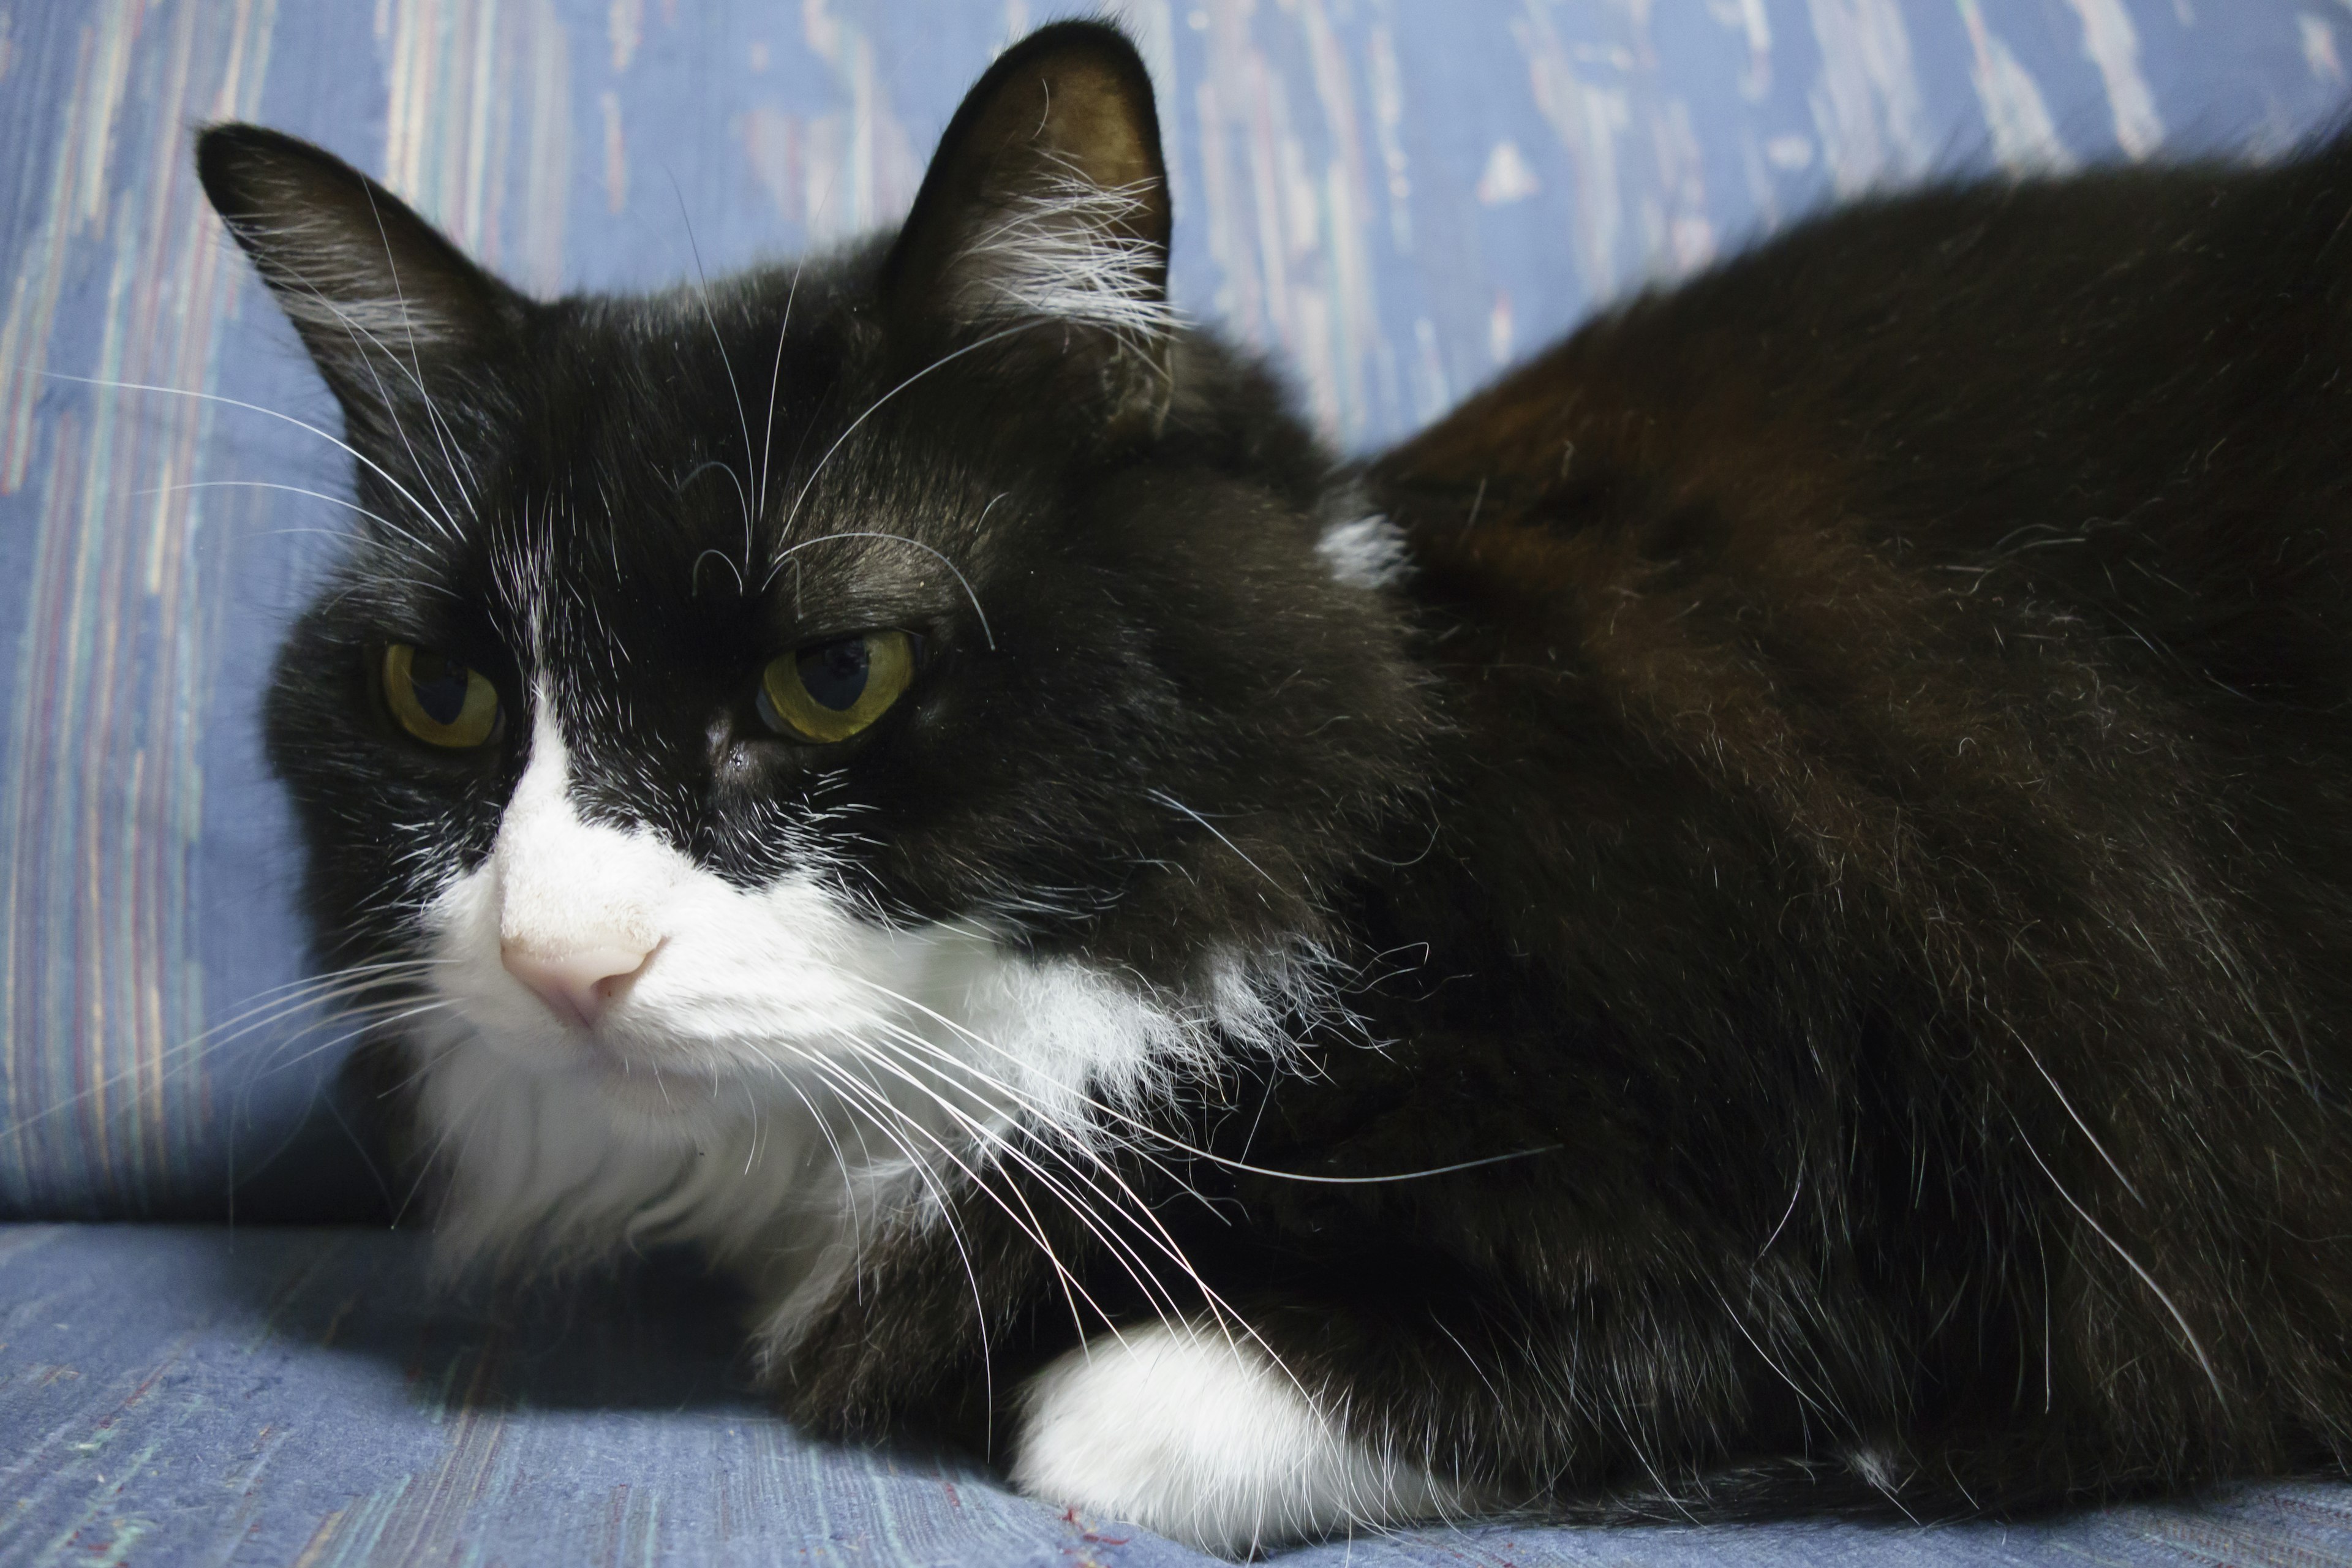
{"x": 1393, "y": 199}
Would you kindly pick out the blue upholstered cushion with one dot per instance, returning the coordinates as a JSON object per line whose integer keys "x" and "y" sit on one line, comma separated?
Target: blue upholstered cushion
{"x": 181, "y": 1395}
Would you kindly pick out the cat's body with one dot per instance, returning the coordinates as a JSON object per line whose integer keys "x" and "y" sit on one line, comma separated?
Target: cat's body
{"x": 1774, "y": 889}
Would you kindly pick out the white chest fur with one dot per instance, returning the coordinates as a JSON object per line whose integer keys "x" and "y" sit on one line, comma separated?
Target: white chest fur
{"x": 777, "y": 1060}
{"x": 779, "y": 1066}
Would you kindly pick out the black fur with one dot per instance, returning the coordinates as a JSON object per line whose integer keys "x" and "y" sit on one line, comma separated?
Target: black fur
{"x": 1848, "y": 796}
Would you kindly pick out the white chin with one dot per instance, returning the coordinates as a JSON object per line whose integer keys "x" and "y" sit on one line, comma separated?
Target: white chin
{"x": 663, "y": 1109}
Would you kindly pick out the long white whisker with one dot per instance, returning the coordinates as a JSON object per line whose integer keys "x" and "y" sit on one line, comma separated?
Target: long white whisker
{"x": 2195, "y": 1346}
{"x": 962, "y": 580}
{"x": 356, "y": 455}
{"x": 939, "y": 1195}
{"x": 1134, "y": 1209}
{"x": 450, "y": 525}
{"x": 1127, "y": 1202}
{"x": 354, "y": 330}
{"x": 295, "y": 999}
{"x": 1221, "y": 1313}
{"x": 1076, "y": 1131}
{"x": 462, "y": 1121}
{"x": 1133, "y": 1262}
{"x": 775, "y": 385}
{"x": 416, "y": 366}
{"x": 371, "y": 1015}
{"x": 933, "y": 1185}
{"x": 823, "y": 1125}
{"x": 1171, "y": 802}
{"x": 1031, "y": 1227}
{"x": 1161, "y": 1135}
{"x": 702, "y": 286}
{"x": 939, "y": 362}
{"x": 376, "y": 517}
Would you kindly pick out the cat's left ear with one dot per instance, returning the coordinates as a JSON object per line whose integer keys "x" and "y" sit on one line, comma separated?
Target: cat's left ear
{"x": 1048, "y": 201}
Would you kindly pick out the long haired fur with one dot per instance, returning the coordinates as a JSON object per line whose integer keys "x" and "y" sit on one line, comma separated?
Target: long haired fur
{"x": 1756, "y": 919}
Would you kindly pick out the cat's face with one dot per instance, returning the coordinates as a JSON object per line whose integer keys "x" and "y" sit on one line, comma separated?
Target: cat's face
{"x": 723, "y": 680}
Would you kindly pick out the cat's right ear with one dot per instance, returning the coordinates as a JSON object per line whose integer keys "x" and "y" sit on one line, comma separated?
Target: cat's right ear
{"x": 391, "y": 310}
{"x": 1047, "y": 203}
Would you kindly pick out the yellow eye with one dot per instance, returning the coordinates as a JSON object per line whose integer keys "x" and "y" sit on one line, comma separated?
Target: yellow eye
{"x": 437, "y": 700}
{"x": 830, "y": 690}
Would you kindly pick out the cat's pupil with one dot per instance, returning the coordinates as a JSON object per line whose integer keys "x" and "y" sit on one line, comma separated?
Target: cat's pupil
{"x": 439, "y": 684}
{"x": 834, "y": 673}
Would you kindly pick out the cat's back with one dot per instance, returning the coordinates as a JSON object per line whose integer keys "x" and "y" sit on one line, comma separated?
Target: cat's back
{"x": 2119, "y": 399}
{"x": 1955, "y": 584}
{"x": 1948, "y": 357}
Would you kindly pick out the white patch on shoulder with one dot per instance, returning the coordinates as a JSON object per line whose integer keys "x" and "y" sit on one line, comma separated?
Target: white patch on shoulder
{"x": 778, "y": 1070}
{"x": 1181, "y": 1430}
{"x": 1368, "y": 552}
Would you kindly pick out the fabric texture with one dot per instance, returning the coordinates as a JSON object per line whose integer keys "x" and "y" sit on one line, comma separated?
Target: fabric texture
{"x": 181, "y": 1395}
{"x": 1392, "y": 199}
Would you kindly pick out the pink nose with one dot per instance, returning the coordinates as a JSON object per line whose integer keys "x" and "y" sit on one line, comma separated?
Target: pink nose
{"x": 580, "y": 983}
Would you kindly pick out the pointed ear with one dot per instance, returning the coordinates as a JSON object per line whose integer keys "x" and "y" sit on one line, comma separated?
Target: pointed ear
{"x": 1047, "y": 198}
{"x": 381, "y": 301}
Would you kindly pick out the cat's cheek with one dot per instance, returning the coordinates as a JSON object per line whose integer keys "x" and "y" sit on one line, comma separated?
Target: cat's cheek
{"x": 1203, "y": 1437}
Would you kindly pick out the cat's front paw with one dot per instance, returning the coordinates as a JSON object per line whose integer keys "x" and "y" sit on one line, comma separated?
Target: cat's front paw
{"x": 1202, "y": 1437}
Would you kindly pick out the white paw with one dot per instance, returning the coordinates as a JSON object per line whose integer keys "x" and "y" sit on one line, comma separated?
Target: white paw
{"x": 1183, "y": 1432}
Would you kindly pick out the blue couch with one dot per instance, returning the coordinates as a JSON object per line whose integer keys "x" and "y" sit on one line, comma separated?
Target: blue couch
{"x": 1393, "y": 199}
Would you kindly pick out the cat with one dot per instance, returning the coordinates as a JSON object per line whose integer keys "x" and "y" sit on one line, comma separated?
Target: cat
{"x": 1760, "y": 918}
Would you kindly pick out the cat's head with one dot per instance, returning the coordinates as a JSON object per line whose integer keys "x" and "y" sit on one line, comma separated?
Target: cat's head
{"x": 718, "y": 677}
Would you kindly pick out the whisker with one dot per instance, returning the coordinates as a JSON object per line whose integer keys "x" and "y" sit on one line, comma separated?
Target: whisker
{"x": 1161, "y": 1135}
{"x": 702, "y": 286}
{"x": 355, "y": 330}
{"x": 1171, "y": 802}
{"x": 1032, "y": 1227}
{"x": 1142, "y": 1216}
{"x": 391, "y": 411}
{"x": 939, "y": 1197}
{"x": 1130, "y": 1261}
{"x": 425, "y": 1166}
{"x": 294, "y": 998}
{"x": 961, "y": 580}
{"x": 256, "y": 408}
{"x": 416, "y": 366}
{"x": 365, "y": 1014}
{"x": 940, "y": 363}
{"x": 291, "y": 489}
{"x": 1146, "y": 1221}
{"x": 775, "y": 385}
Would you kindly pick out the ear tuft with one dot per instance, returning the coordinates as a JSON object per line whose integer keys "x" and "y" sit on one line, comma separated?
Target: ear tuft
{"x": 1048, "y": 197}
{"x": 1071, "y": 249}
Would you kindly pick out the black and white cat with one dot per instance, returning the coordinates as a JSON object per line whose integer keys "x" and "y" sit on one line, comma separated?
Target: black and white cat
{"x": 1759, "y": 919}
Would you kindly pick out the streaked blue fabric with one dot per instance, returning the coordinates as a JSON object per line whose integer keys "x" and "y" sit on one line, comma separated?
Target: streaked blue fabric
{"x": 1392, "y": 199}
{"x": 293, "y": 1397}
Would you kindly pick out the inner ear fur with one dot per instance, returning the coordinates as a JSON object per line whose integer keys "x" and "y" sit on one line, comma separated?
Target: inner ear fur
{"x": 380, "y": 296}
{"x": 1047, "y": 198}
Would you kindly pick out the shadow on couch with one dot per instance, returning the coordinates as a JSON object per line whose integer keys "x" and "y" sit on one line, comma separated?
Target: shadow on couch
{"x": 660, "y": 1333}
